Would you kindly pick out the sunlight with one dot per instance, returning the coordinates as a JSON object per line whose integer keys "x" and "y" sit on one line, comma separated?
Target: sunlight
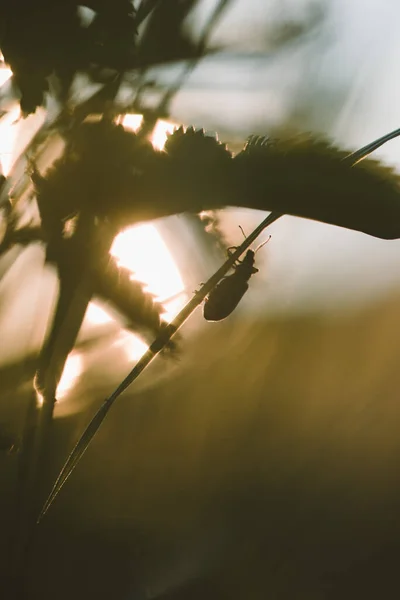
{"x": 133, "y": 346}
{"x": 39, "y": 399}
{"x": 159, "y": 136}
{"x": 97, "y": 315}
{"x": 160, "y": 132}
{"x": 8, "y": 138}
{"x": 5, "y": 74}
{"x": 132, "y": 121}
{"x": 142, "y": 250}
{"x": 173, "y": 307}
{"x": 72, "y": 370}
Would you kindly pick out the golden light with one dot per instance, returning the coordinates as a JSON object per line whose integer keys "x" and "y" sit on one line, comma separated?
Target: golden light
{"x": 5, "y": 74}
{"x": 160, "y": 132}
{"x": 158, "y": 138}
{"x": 132, "y": 345}
{"x": 173, "y": 307}
{"x": 97, "y": 315}
{"x": 132, "y": 121}
{"x": 39, "y": 398}
{"x": 142, "y": 250}
{"x": 72, "y": 370}
{"x": 8, "y": 138}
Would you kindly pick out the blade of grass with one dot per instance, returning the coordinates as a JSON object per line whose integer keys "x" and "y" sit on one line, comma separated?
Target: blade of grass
{"x": 160, "y": 342}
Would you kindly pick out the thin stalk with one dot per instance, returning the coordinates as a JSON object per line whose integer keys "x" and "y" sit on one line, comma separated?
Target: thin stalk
{"x": 363, "y": 152}
{"x": 159, "y": 343}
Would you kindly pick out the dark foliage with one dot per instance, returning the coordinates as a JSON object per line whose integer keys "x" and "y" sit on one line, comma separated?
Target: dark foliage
{"x": 310, "y": 178}
{"x": 118, "y": 175}
{"x": 44, "y": 38}
{"x": 165, "y": 39}
{"x": 300, "y": 176}
{"x": 97, "y": 184}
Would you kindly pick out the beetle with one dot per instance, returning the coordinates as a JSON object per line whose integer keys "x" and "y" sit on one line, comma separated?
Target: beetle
{"x": 224, "y": 298}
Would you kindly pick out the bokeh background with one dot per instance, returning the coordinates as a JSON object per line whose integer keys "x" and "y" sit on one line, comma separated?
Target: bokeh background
{"x": 264, "y": 464}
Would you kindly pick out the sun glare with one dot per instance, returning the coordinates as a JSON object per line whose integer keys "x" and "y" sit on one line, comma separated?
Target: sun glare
{"x": 173, "y": 307}
{"x": 72, "y": 370}
{"x": 142, "y": 250}
{"x": 132, "y": 345}
{"x": 160, "y": 133}
{"x": 8, "y": 139}
{"x": 5, "y": 74}
{"x": 132, "y": 121}
{"x": 97, "y": 315}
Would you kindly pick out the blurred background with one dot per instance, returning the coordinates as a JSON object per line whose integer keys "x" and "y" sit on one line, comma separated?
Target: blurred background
{"x": 264, "y": 464}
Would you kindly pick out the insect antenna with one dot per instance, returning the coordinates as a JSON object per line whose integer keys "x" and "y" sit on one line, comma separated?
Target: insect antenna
{"x": 242, "y": 230}
{"x": 258, "y": 247}
{"x": 262, "y": 244}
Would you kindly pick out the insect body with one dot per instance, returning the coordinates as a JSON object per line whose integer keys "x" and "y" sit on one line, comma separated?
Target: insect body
{"x": 227, "y": 294}
{"x": 225, "y": 297}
